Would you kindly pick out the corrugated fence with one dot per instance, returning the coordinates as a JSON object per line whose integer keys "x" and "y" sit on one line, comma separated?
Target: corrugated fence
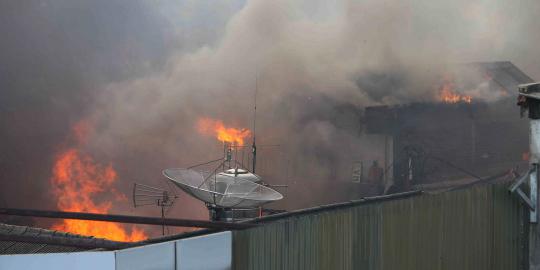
{"x": 476, "y": 228}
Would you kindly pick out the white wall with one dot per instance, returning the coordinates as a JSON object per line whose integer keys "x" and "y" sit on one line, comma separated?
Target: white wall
{"x": 208, "y": 252}
{"x": 75, "y": 260}
{"x": 151, "y": 257}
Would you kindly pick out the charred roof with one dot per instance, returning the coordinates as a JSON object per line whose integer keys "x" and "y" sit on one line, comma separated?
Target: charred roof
{"x": 27, "y": 240}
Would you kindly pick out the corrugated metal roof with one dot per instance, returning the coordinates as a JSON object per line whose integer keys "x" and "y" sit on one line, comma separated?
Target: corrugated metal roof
{"x": 25, "y": 240}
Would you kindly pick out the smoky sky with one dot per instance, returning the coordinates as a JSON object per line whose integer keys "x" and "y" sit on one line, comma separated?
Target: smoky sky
{"x": 143, "y": 72}
{"x": 56, "y": 55}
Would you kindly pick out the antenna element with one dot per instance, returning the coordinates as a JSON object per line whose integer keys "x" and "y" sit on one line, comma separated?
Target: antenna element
{"x": 144, "y": 195}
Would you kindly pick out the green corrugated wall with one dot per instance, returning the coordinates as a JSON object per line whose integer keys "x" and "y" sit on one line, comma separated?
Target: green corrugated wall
{"x": 476, "y": 228}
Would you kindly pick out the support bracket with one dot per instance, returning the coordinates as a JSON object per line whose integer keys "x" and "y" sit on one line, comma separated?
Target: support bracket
{"x": 531, "y": 202}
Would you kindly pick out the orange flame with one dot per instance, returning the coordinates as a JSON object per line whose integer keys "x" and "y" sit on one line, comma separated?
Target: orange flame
{"x": 448, "y": 95}
{"x": 76, "y": 180}
{"x": 209, "y": 126}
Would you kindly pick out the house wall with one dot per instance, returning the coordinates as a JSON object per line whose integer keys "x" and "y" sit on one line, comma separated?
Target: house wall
{"x": 444, "y": 141}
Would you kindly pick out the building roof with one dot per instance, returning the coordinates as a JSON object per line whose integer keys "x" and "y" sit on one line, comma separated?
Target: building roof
{"x": 29, "y": 240}
{"x": 26, "y": 240}
{"x": 504, "y": 73}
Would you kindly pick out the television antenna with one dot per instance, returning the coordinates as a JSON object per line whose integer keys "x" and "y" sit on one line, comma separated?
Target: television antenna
{"x": 145, "y": 195}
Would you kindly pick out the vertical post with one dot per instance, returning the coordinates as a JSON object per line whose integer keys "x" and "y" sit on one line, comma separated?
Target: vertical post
{"x": 529, "y": 100}
{"x": 473, "y": 141}
{"x": 254, "y": 152}
{"x": 163, "y": 218}
{"x": 533, "y": 184}
{"x": 388, "y": 162}
{"x": 410, "y": 175}
{"x": 228, "y": 154}
{"x": 225, "y": 156}
{"x": 362, "y": 180}
{"x": 534, "y": 160}
{"x": 254, "y": 146}
{"x": 385, "y": 177}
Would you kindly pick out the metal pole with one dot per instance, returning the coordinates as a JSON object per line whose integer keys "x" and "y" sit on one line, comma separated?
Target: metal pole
{"x": 409, "y": 175}
{"x": 163, "y": 217}
{"x": 534, "y": 159}
{"x": 254, "y": 146}
{"x": 529, "y": 100}
{"x": 125, "y": 219}
{"x": 254, "y": 159}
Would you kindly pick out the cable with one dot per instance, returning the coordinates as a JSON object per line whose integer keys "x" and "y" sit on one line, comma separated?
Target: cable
{"x": 197, "y": 165}
{"x": 455, "y": 167}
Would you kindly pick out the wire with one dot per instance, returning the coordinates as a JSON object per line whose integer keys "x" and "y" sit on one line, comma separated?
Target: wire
{"x": 450, "y": 164}
{"x": 197, "y": 165}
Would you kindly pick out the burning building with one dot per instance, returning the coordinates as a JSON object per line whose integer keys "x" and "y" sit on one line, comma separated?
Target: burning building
{"x": 459, "y": 136}
{"x": 144, "y": 76}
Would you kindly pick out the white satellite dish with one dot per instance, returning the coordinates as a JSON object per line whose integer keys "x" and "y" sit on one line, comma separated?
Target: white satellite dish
{"x": 239, "y": 173}
{"x": 224, "y": 189}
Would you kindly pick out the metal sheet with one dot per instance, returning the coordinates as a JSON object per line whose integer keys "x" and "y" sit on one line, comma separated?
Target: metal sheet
{"x": 475, "y": 228}
{"x": 534, "y": 143}
{"x": 533, "y": 190}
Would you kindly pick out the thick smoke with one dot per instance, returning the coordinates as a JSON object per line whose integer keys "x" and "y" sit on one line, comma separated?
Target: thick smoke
{"x": 56, "y": 55}
{"x": 316, "y": 64}
{"x": 144, "y": 73}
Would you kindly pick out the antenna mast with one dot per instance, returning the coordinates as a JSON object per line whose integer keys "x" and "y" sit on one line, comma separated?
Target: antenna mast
{"x": 254, "y": 146}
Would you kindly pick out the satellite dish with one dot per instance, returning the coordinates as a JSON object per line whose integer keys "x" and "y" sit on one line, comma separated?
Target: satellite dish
{"x": 225, "y": 189}
{"x": 239, "y": 173}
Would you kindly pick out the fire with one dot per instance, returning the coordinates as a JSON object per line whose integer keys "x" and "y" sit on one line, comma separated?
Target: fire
{"x": 448, "y": 95}
{"x": 209, "y": 126}
{"x": 76, "y": 182}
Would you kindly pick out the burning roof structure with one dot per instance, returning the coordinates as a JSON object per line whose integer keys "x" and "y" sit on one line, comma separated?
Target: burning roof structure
{"x": 27, "y": 240}
{"x": 457, "y": 137}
